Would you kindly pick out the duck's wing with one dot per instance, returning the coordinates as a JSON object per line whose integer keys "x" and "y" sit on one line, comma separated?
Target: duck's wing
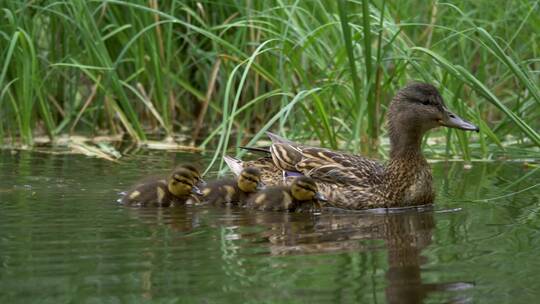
{"x": 319, "y": 163}
{"x": 335, "y": 174}
{"x": 288, "y": 154}
{"x": 325, "y": 164}
{"x": 348, "y": 181}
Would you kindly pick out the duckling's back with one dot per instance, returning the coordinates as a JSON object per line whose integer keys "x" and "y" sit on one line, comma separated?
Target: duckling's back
{"x": 150, "y": 193}
{"x": 224, "y": 191}
{"x": 272, "y": 199}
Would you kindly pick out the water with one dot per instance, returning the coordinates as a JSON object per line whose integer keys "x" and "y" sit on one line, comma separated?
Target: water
{"x": 64, "y": 239}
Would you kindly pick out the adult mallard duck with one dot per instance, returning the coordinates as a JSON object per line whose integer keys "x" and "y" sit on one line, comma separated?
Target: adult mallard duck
{"x": 301, "y": 196}
{"x": 177, "y": 188}
{"x": 233, "y": 190}
{"x": 355, "y": 182}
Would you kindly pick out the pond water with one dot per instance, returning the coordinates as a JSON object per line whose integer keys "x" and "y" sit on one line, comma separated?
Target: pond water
{"x": 63, "y": 238}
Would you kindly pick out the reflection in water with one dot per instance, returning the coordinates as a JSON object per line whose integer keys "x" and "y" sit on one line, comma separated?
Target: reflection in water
{"x": 404, "y": 235}
{"x": 64, "y": 239}
{"x": 401, "y": 235}
{"x": 183, "y": 219}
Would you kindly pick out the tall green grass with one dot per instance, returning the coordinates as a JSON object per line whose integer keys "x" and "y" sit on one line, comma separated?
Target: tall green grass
{"x": 222, "y": 72}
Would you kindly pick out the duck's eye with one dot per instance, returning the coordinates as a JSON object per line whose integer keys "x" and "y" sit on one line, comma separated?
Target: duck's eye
{"x": 426, "y": 102}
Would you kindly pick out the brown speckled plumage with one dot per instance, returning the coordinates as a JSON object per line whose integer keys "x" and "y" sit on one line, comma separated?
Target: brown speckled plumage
{"x": 355, "y": 182}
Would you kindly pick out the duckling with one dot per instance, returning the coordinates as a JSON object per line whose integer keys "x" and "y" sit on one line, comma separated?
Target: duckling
{"x": 231, "y": 191}
{"x": 301, "y": 196}
{"x": 176, "y": 189}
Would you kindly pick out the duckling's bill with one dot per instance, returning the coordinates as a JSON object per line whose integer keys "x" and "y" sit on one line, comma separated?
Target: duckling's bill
{"x": 196, "y": 190}
{"x": 320, "y": 197}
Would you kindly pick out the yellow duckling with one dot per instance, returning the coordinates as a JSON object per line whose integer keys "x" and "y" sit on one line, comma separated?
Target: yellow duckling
{"x": 229, "y": 191}
{"x": 301, "y": 196}
{"x": 176, "y": 189}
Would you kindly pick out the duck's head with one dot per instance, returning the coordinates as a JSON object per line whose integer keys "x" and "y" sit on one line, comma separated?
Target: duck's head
{"x": 417, "y": 108}
{"x": 182, "y": 183}
{"x": 249, "y": 180}
{"x": 304, "y": 188}
{"x": 195, "y": 173}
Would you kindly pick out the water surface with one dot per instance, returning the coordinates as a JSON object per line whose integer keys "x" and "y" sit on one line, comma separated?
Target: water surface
{"x": 63, "y": 238}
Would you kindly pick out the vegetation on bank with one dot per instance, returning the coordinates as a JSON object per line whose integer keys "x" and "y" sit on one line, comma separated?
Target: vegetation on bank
{"x": 323, "y": 70}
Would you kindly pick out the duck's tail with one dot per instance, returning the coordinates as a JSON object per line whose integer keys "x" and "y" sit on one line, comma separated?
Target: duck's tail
{"x": 234, "y": 164}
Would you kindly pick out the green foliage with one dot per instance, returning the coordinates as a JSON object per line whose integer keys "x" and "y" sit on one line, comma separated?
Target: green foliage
{"x": 231, "y": 69}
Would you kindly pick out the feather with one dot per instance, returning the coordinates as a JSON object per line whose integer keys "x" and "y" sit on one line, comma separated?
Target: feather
{"x": 264, "y": 150}
{"x": 234, "y": 164}
{"x": 276, "y": 139}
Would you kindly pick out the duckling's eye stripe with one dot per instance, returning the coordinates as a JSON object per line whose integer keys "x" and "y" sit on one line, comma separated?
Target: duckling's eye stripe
{"x": 305, "y": 187}
{"x": 182, "y": 180}
{"x": 250, "y": 179}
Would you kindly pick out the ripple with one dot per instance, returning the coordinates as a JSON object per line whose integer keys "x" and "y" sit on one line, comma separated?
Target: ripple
{"x": 64, "y": 238}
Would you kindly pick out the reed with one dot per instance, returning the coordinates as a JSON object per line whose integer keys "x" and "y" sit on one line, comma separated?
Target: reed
{"x": 225, "y": 71}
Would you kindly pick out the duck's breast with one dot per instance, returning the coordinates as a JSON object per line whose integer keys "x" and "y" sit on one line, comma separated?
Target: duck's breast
{"x": 420, "y": 191}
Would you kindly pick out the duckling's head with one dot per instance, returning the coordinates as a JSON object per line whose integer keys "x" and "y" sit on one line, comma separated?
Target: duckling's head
{"x": 181, "y": 183}
{"x": 249, "y": 180}
{"x": 304, "y": 188}
{"x": 194, "y": 172}
{"x": 417, "y": 108}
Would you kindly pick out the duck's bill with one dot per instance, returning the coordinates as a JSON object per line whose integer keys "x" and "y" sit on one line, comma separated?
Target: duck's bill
{"x": 453, "y": 121}
{"x": 196, "y": 190}
{"x": 320, "y": 197}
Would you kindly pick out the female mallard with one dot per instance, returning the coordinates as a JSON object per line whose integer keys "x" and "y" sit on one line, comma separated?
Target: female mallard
{"x": 229, "y": 191}
{"x": 354, "y": 182}
{"x": 301, "y": 196}
{"x": 176, "y": 189}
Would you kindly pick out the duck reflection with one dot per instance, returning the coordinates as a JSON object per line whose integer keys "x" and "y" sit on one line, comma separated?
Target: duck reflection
{"x": 403, "y": 235}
